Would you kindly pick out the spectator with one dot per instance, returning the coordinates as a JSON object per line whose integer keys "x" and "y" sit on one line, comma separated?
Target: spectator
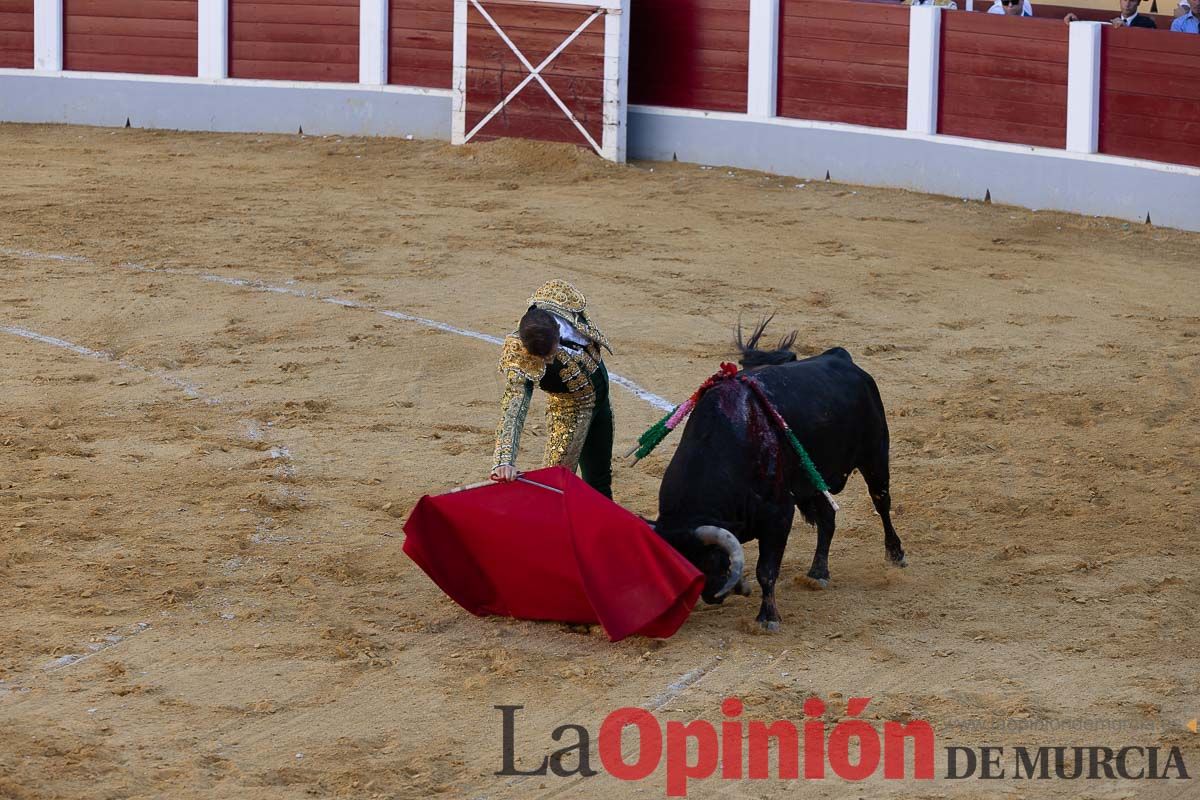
{"x": 1013, "y": 8}
{"x": 1129, "y": 18}
{"x": 1188, "y": 23}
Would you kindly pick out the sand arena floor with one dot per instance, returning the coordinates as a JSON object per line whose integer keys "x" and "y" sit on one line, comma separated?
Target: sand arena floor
{"x": 202, "y": 592}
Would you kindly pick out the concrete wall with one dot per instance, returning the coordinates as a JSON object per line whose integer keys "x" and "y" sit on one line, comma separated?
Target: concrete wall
{"x": 196, "y": 104}
{"x": 1021, "y": 175}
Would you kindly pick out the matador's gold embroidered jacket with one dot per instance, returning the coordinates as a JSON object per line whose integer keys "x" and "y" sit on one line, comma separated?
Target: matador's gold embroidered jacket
{"x": 566, "y": 380}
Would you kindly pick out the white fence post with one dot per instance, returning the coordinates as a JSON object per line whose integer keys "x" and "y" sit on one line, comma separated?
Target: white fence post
{"x": 616, "y": 82}
{"x": 1083, "y": 87}
{"x": 763, "y": 78}
{"x": 373, "y": 41}
{"x": 924, "y": 55}
{"x": 458, "y": 80}
{"x": 212, "y": 44}
{"x": 48, "y": 35}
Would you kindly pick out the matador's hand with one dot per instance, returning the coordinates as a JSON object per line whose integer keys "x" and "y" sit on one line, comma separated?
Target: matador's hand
{"x": 505, "y": 472}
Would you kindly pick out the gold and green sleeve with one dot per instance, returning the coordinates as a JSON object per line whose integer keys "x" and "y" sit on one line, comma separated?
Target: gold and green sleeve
{"x": 514, "y": 405}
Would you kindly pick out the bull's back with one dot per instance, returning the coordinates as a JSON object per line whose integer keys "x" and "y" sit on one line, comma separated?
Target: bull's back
{"x": 714, "y": 477}
{"x": 834, "y": 408}
{"x": 827, "y": 383}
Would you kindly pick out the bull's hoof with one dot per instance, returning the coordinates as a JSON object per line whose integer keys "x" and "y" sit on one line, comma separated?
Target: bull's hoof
{"x": 743, "y": 588}
{"x": 816, "y": 583}
{"x": 902, "y": 561}
{"x": 769, "y": 625}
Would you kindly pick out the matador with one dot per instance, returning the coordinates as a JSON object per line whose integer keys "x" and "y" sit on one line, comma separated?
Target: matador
{"x": 558, "y": 348}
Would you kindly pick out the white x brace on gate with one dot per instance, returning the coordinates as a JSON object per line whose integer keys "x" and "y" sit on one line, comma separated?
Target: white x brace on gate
{"x": 611, "y": 15}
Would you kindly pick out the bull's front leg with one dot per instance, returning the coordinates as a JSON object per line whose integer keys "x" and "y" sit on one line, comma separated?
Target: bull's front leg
{"x": 770, "y": 558}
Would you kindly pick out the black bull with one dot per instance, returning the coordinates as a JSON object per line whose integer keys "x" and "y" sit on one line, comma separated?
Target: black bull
{"x": 734, "y": 478}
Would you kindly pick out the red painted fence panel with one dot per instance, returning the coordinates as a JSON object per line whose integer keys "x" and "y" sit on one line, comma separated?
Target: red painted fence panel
{"x": 1004, "y": 79}
{"x": 316, "y": 40}
{"x": 150, "y": 37}
{"x": 689, "y": 53}
{"x": 16, "y": 34}
{"x": 844, "y": 62}
{"x": 421, "y": 43}
{"x": 576, "y": 75}
{"x": 1149, "y": 95}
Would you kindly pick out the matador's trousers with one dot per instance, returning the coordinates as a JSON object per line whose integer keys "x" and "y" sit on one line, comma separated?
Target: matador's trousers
{"x": 581, "y": 432}
{"x": 595, "y": 461}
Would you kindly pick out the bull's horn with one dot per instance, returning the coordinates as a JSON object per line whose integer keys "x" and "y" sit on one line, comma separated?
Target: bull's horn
{"x": 711, "y": 534}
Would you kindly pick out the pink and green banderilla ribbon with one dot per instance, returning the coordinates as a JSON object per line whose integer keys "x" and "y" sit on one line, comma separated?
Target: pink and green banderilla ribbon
{"x": 654, "y": 435}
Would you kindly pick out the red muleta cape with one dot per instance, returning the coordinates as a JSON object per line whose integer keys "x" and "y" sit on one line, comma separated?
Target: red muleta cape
{"x": 572, "y": 555}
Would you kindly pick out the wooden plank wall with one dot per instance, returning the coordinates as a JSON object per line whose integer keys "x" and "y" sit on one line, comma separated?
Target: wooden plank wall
{"x": 421, "y": 49}
{"x": 689, "y": 53}
{"x": 16, "y": 34}
{"x": 1004, "y": 79}
{"x": 576, "y": 75}
{"x": 844, "y": 62}
{"x": 298, "y": 40}
{"x": 1150, "y": 95}
{"x": 149, "y": 37}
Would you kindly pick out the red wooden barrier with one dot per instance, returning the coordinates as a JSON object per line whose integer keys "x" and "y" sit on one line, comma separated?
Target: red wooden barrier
{"x": 316, "y": 40}
{"x": 1004, "y": 78}
{"x": 152, "y": 37}
{"x": 1149, "y": 95}
{"x": 844, "y": 62}
{"x": 421, "y": 49}
{"x": 689, "y": 53}
{"x": 16, "y": 33}
{"x": 576, "y": 75}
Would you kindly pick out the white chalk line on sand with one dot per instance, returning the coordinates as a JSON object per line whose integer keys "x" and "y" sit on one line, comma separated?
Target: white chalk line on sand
{"x": 111, "y": 640}
{"x": 685, "y": 682}
{"x": 246, "y": 283}
{"x": 10, "y": 251}
{"x": 250, "y": 431}
{"x": 257, "y": 285}
{"x": 192, "y": 391}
